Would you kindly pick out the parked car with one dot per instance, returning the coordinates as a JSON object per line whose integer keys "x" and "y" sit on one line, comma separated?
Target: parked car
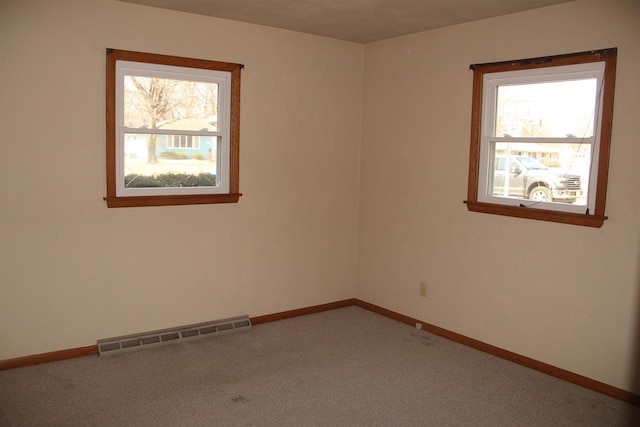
{"x": 530, "y": 179}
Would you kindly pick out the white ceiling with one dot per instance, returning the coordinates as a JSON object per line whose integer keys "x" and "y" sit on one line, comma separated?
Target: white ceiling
{"x": 360, "y": 21}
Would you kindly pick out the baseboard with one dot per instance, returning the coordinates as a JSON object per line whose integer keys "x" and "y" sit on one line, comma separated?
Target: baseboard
{"x": 562, "y": 374}
{"x": 302, "y": 311}
{"x": 54, "y": 356}
{"x": 92, "y": 350}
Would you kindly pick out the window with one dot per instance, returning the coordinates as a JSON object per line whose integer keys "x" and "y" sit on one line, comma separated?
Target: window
{"x": 540, "y": 137}
{"x": 172, "y": 130}
{"x": 183, "y": 141}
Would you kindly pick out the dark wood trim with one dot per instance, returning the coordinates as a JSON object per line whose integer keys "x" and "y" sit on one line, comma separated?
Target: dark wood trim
{"x": 474, "y": 147}
{"x": 234, "y": 143}
{"x": 302, "y": 311}
{"x": 562, "y": 374}
{"x": 193, "y": 199}
{"x": 597, "y": 218}
{"x": 54, "y": 356}
{"x": 549, "y": 61}
{"x": 605, "y": 130}
{"x": 110, "y": 117}
{"x": 177, "y": 61}
{"x": 539, "y": 214}
{"x": 113, "y": 201}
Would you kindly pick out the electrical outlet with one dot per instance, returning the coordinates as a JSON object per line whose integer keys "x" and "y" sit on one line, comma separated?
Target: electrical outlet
{"x": 423, "y": 289}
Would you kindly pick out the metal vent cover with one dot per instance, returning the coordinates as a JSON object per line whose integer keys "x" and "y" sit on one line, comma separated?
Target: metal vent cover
{"x": 108, "y": 346}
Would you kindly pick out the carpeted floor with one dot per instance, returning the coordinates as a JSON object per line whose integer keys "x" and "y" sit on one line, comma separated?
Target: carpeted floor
{"x": 345, "y": 367}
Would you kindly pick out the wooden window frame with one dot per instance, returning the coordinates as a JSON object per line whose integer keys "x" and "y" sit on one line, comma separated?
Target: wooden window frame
{"x": 595, "y": 219}
{"x": 113, "y": 199}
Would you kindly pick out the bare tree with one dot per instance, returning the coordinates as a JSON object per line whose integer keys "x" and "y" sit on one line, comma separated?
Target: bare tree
{"x": 155, "y": 102}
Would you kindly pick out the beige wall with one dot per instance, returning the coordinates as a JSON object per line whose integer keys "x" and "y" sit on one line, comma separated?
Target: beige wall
{"x": 561, "y": 294}
{"x": 73, "y": 271}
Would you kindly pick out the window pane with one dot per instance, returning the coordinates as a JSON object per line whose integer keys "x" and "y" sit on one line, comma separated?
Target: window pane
{"x": 158, "y": 103}
{"x": 540, "y": 172}
{"x": 152, "y": 160}
{"x": 555, "y": 109}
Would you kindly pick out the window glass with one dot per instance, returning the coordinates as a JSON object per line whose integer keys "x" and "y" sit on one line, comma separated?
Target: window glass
{"x": 556, "y": 173}
{"x": 182, "y": 161}
{"x": 160, "y": 103}
{"x": 553, "y": 109}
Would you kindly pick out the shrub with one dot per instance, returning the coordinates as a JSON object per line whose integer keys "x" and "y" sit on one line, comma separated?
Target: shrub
{"x": 135, "y": 181}
{"x": 170, "y": 180}
{"x": 197, "y": 156}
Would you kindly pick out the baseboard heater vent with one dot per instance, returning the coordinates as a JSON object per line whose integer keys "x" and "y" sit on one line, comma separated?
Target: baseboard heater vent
{"x": 115, "y": 345}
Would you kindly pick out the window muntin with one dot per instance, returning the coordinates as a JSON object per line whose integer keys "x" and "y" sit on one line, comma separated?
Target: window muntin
{"x": 172, "y": 130}
{"x": 556, "y": 111}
